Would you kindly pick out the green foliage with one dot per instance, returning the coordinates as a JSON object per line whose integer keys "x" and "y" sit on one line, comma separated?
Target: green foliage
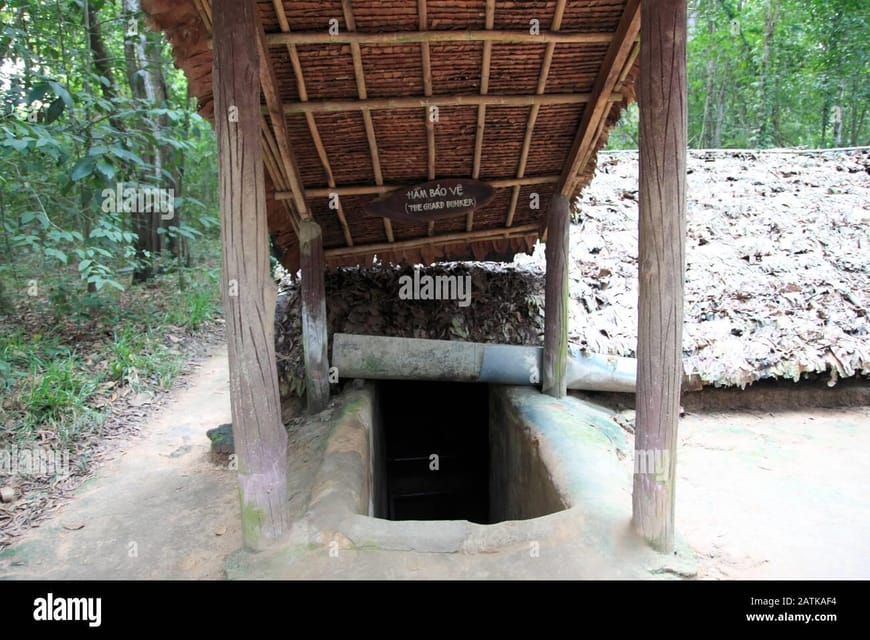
{"x": 55, "y": 382}
{"x": 69, "y": 135}
{"x": 75, "y": 333}
{"x": 774, "y": 73}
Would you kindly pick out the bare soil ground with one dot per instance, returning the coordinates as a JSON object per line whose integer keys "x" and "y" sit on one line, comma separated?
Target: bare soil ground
{"x": 759, "y": 495}
{"x": 159, "y": 509}
{"x": 762, "y": 493}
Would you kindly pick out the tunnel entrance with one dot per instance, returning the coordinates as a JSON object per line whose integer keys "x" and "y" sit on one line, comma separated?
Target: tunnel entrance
{"x": 431, "y": 451}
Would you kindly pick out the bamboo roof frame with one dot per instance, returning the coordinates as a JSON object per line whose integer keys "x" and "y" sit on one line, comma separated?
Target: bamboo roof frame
{"x": 292, "y": 55}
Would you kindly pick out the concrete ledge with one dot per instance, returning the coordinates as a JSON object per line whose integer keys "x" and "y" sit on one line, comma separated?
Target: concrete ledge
{"x": 572, "y": 464}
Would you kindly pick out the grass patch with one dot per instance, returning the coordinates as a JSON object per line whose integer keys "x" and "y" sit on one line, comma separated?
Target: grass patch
{"x": 65, "y": 358}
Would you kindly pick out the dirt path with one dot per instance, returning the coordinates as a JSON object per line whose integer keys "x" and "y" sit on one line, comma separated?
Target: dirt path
{"x": 160, "y": 509}
{"x": 783, "y": 495}
{"x": 759, "y": 496}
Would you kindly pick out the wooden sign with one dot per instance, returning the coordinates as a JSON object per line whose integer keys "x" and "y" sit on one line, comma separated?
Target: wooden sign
{"x": 431, "y": 200}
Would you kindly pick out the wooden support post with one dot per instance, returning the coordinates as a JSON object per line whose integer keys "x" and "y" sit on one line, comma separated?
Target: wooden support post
{"x": 260, "y": 438}
{"x": 556, "y": 298}
{"x": 314, "y": 337}
{"x": 661, "y": 236}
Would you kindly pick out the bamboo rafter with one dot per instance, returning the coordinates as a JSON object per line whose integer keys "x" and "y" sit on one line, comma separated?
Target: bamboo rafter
{"x": 362, "y": 91}
{"x": 481, "y": 110}
{"x": 611, "y": 70}
{"x": 310, "y": 121}
{"x": 533, "y": 112}
{"x": 413, "y": 102}
{"x": 269, "y": 85}
{"x": 338, "y": 79}
{"x": 405, "y": 37}
{"x": 602, "y": 124}
{"x": 427, "y": 91}
{"x": 447, "y": 238}
{"x": 358, "y": 190}
{"x": 270, "y": 152}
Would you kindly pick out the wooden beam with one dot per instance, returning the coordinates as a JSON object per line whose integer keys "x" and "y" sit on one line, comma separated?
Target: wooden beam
{"x": 273, "y": 162}
{"x": 555, "y": 363}
{"x": 411, "y": 37}
{"x": 310, "y": 121}
{"x": 270, "y": 152}
{"x": 362, "y": 92}
{"x": 260, "y": 438}
{"x": 414, "y": 102}
{"x": 533, "y": 112}
{"x": 427, "y": 91}
{"x": 204, "y": 10}
{"x": 481, "y": 110}
{"x": 602, "y": 92}
{"x": 271, "y": 92}
{"x": 369, "y": 190}
{"x": 662, "y": 98}
{"x": 447, "y": 238}
{"x": 602, "y": 124}
{"x": 314, "y": 336}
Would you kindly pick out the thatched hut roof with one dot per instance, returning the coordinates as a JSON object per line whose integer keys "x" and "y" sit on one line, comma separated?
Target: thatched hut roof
{"x": 525, "y": 94}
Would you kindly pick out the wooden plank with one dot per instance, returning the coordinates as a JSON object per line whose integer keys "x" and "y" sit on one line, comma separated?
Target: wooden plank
{"x": 270, "y": 153}
{"x": 204, "y": 14}
{"x": 447, "y": 238}
{"x": 602, "y": 124}
{"x": 486, "y": 63}
{"x": 662, "y": 99}
{"x": 314, "y": 336}
{"x": 372, "y": 190}
{"x": 602, "y": 92}
{"x": 427, "y": 91}
{"x": 260, "y": 438}
{"x": 554, "y": 375}
{"x": 413, "y": 102}
{"x": 310, "y": 121}
{"x": 362, "y": 91}
{"x": 432, "y": 200}
{"x": 533, "y": 112}
{"x": 279, "y": 127}
{"x": 414, "y": 37}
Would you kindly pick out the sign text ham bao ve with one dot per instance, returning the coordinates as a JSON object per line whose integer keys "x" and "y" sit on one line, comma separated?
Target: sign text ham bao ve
{"x": 432, "y": 200}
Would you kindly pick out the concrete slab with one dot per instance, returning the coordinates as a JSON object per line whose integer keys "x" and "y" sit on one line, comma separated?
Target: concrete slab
{"x": 576, "y": 442}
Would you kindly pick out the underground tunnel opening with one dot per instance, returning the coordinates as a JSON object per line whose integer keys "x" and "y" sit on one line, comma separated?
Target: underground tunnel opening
{"x": 456, "y": 451}
{"x": 431, "y": 451}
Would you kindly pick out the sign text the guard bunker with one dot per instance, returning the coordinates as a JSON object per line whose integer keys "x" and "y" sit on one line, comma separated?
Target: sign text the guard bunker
{"x": 432, "y": 200}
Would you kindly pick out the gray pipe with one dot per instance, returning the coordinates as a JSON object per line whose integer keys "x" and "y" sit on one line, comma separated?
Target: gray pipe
{"x": 385, "y": 358}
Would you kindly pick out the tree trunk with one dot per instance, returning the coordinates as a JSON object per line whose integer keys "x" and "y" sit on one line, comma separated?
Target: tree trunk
{"x": 767, "y": 97}
{"x": 142, "y": 55}
{"x": 147, "y": 242}
{"x": 102, "y": 61}
{"x": 260, "y": 438}
{"x": 662, "y": 228}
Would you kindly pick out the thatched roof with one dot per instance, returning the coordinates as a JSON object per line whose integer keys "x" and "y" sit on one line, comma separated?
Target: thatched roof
{"x": 525, "y": 91}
